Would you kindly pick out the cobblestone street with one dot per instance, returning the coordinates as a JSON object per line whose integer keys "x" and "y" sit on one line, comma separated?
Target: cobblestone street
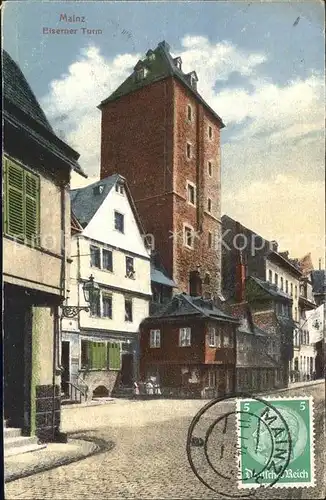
{"x": 149, "y": 458}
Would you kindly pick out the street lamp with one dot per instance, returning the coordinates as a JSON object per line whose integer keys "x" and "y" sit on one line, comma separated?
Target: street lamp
{"x": 91, "y": 292}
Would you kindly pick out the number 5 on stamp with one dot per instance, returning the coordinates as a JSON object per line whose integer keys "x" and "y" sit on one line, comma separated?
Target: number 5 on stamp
{"x": 276, "y": 439}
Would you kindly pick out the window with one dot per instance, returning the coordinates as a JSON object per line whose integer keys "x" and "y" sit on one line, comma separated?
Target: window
{"x": 270, "y": 276}
{"x": 95, "y": 256}
{"x": 276, "y": 279}
{"x": 95, "y": 307}
{"x": 107, "y": 305}
{"x": 107, "y": 260}
{"x": 141, "y": 74}
{"x": 188, "y": 237}
{"x": 209, "y": 205}
{"x": 191, "y": 193}
{"x": 212, "y": 337}
{"x": 210, "y": 240}
{"x": 291, "y": 289}
{"x": 296, "y": 314}
{"x": 130, "y": 271}
{"x": 295, "y": 292}
{"x": 128, "y": 310}
{"x": 21, "y": 203}
{"x": 210, "y": 132}
{"x": 188, "y": 150}
{"x": 226, "y": 340}
{"x": 119, "y": 222}
{"x": 286, "y": 286}
{"x": 282, "y": 283}
{"x": 185, "y": 337}
{"x": 155, "y": 338}
{"x": 119, "y": 188}
{"x": 212, "y": 379}
{"x": 189, "y": 113}
{"x": 210, "y": 168}
{"x": 94, "y": 355}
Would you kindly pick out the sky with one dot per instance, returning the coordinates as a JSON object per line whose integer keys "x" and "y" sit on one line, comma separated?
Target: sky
{"x": 260, "y": 67}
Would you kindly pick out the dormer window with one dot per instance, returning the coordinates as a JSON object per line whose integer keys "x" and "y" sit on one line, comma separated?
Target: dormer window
{"x": 193, "y": 80}
{"x": 119, "y": 188}
{"x": 141, "y": 74}
{"x": 98, "y": 189}
{"x": 178, "y": 62}
{"x": 150, "y": 55}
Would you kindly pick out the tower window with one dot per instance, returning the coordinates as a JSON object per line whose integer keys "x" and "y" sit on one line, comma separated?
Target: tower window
{"x": 188, "y": 150}
{"x": 210, "y": 168}
{"x": 209, "y": 205}
{"x": 210, "y": 132}
{"x": 191, "y": 194}
{"x": 210, "y": 240}
{"x": 189, "y": 113}
{"x": 188, "y": 237}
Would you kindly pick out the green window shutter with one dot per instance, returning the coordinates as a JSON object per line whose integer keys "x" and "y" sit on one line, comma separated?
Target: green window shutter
{"x": 15, "y": 200}
{"x": 4, "y": 199}
{"x": 114, "y": 356}
{"x": 32, "y": 194}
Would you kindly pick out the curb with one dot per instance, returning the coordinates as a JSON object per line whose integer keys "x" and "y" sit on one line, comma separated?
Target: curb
{"x": 99, "y": 446}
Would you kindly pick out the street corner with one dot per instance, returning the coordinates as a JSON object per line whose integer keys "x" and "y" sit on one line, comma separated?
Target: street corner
{"x": 52, "y": 456}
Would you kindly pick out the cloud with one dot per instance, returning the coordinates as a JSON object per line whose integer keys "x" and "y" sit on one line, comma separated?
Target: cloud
{"x": 72, "y": 100}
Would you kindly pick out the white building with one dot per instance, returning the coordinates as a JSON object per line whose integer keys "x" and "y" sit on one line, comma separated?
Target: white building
{"x": 100, "y": 347}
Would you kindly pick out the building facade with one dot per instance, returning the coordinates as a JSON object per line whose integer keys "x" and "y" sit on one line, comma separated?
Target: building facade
{"x": 160, "y": 134}
{"x": 188, "y": 348}
{"x": 100, "y": 347}
{"x": 248, "y": 255}
{"x": 36, "y": 250}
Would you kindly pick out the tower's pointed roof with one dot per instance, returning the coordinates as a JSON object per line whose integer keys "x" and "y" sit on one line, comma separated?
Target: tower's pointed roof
{"x": 159, "y": 64}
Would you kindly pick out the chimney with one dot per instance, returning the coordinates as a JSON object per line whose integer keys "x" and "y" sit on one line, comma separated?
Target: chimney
{"x": 240, "y": 279}
{"x": 274, "y": 245}
{"x": 195, "y": 284}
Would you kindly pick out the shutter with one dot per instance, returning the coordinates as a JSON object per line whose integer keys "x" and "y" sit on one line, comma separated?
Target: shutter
{"x": 15, "y": 200}
{"x": 31, "y": 206}
{"x": 114, "y": 357}
{"x": 5, "y": 196}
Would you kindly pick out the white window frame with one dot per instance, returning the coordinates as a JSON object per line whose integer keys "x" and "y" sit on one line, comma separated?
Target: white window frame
{"x": 193, "y": 186}
{"x": 185, "y": 337}
{"x": 119, "y": 188}
{"x": 155, "y": 339}
{"x": 212, "y": 337}
{"x": 188, "y": 226}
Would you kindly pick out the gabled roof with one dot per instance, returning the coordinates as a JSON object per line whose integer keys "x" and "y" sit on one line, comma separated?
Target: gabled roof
{"x": 270, "y": 288}
{"x": 185, "y": 305}
{"x": 23, "y": 113}
{"x": 163, "y": 66}
{"x": 17, "y": 90}
{"x": 319, "y": 281}
{"x": 86, "y": 201}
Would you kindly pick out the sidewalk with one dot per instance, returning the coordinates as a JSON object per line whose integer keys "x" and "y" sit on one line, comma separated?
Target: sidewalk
{"x": 54, "y": 455}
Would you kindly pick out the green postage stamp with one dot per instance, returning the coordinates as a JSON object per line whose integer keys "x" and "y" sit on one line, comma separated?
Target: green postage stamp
{"x": 276, "y": 442}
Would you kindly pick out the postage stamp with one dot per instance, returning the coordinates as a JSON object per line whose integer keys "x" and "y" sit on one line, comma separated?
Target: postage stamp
{"x": 276, "y": 442}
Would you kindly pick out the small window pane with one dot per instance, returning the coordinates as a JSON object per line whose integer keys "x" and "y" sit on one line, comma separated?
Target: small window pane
{"x": 155, "y": 338}
{"x": 128, "y": 310}
{"x": 119, "y": 222}
{"x": 184, "y": 337}
{"x": 107, "y": 260}
{"x": 130, "y": 271}
{"x": 107, "y": 306}
{"x": 95, "y": 256}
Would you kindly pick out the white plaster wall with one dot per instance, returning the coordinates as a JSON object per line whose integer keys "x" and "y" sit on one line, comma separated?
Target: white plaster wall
{"x": 286, "y": 275}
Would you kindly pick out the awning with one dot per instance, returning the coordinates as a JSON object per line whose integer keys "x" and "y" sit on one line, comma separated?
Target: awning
{"x": 158, "y": 277}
